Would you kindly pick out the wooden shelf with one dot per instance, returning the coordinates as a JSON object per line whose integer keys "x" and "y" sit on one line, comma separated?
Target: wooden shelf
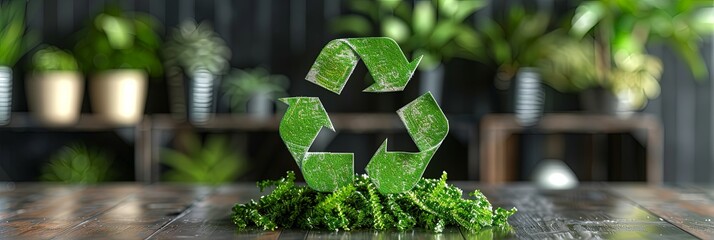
{"x": 350, "y": 122}
{"x": 496, "y": 167}
{"x": 149, "y": 131}
{"x": 86, "y": 122}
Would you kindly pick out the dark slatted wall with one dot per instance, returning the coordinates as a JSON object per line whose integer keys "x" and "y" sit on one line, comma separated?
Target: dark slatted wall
{"x": 285, "y": 36}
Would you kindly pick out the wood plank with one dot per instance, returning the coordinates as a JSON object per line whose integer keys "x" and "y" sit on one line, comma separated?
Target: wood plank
{"x": 210, "y": 217}
{"x": 139, "y": 215}
{"x": 691, "y": 209}
{"x": 448, "y": 234}
{"x": 49, "y": 213}
{"x": 586, "y": 212}
{"x": 39, "y": 211}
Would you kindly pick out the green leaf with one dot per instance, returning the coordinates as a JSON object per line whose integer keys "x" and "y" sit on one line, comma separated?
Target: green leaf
{"x": 389, "y": 4}
{"x": 443, "y": 34}
{"x": 424, "y": 18}
{"x": 689, "y": 51}
{"x": 466, "y": 8}
{"x": 447, "y": 7}
{"x": 587, "y": 15}
{"x": 703, "y": 21}
{"x": 396, "y": 29}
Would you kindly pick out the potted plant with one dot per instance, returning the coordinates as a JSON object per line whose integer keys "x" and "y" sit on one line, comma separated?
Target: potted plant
{"x": 254, "y": 91}
{"x": 78, "y": 163}
{"x": 55, "y": 87}
{"x": 14, "y": 42}
{"x": 119, "y": 52}
{"x": 214, "y": 162}
{"x": 570, "y": 64}
{"x": 194, "y": 56}
{"x": 620, "y": 31}
{"x": 433, "y": 29}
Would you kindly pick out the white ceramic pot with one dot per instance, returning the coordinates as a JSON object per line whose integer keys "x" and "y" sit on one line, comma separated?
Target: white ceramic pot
{"x": 119, "y": 96}
{"x": 5, "y": 94}
{"x": 55, "y": 98}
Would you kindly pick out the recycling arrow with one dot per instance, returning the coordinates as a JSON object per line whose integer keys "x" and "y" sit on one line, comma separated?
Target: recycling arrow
{"x": 299, "y": 127}
{"x": 395, "y": 172}
{"x": 385, "y": 61}
{"x": 391, "y": 172}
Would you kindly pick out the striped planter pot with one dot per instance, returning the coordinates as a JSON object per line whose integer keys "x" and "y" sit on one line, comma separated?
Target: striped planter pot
{"x": 5, "y": 94}
{"x": 201, "y": 94}
{"x": 529, "y": 97}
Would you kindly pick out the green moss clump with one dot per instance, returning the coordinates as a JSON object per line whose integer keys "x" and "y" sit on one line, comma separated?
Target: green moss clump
{"x": 432, "y": 204}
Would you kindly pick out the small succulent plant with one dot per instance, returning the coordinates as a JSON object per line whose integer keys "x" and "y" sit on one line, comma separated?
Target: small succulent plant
{"x": 241, "y": 85}
{"x": 194, "y": 46}
{"x": 78, "y": 163}
{"x": 213, "y": 162}
{"x": 53, "y": 59}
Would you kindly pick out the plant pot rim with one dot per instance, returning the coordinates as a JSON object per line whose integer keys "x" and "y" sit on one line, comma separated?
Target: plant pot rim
{"x": 119, "y": 70}
{"x": 100, "y": 74}
{"x": 35, "y": 73}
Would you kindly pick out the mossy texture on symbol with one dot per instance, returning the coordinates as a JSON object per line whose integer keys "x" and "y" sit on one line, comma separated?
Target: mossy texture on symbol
{"x": 392, "y": 172}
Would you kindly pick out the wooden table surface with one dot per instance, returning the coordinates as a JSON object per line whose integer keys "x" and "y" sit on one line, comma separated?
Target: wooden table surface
{"x": 132, "y": 211}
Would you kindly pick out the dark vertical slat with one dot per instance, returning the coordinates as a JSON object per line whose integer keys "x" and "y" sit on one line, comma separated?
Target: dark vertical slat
{"x": 65, "y": 20}
{"x": 223, "y": 19}
{"x": 81, "y": 19}
{"x": 35, "y": 17}
{"x": 242, "y": 28}
{"x": 297, "y": 26}
{"x": 711, "y": 107}
{"x": 668, "y": 115}
{"x": 686, "y": 115}
{"x": 156, "y": 8}
{"x": 94, "y": 7}
{"x": 50, "y": 20}
{"x": 204, "y": 11}
{"x": 331, "y": 10}
{"x": 703, "y": 124}
{"x": 263, "y": 38}
{"x": 186, "y": 9}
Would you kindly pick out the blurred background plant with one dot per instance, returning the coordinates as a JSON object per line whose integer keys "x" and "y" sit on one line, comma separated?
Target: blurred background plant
{"x": 194, "y": 56}
{"x": 243, "y": 86}
{"x": 435, "y": 29}
{"x": 15, "y": 39}
{"x": 512, "y": 43}
{"x": 192, "y": 46}
{"x": 213, "y": 162}
{"x": 119, "y": 40}
{"x": 51, "y": 58}
{"x": 621, "y": 29}
{"x": 568, "y": 64}
{"x": 78, "y": 163}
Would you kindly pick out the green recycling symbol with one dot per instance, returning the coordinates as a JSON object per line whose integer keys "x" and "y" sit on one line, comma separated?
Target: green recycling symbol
{"x": 391, "y": 172}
